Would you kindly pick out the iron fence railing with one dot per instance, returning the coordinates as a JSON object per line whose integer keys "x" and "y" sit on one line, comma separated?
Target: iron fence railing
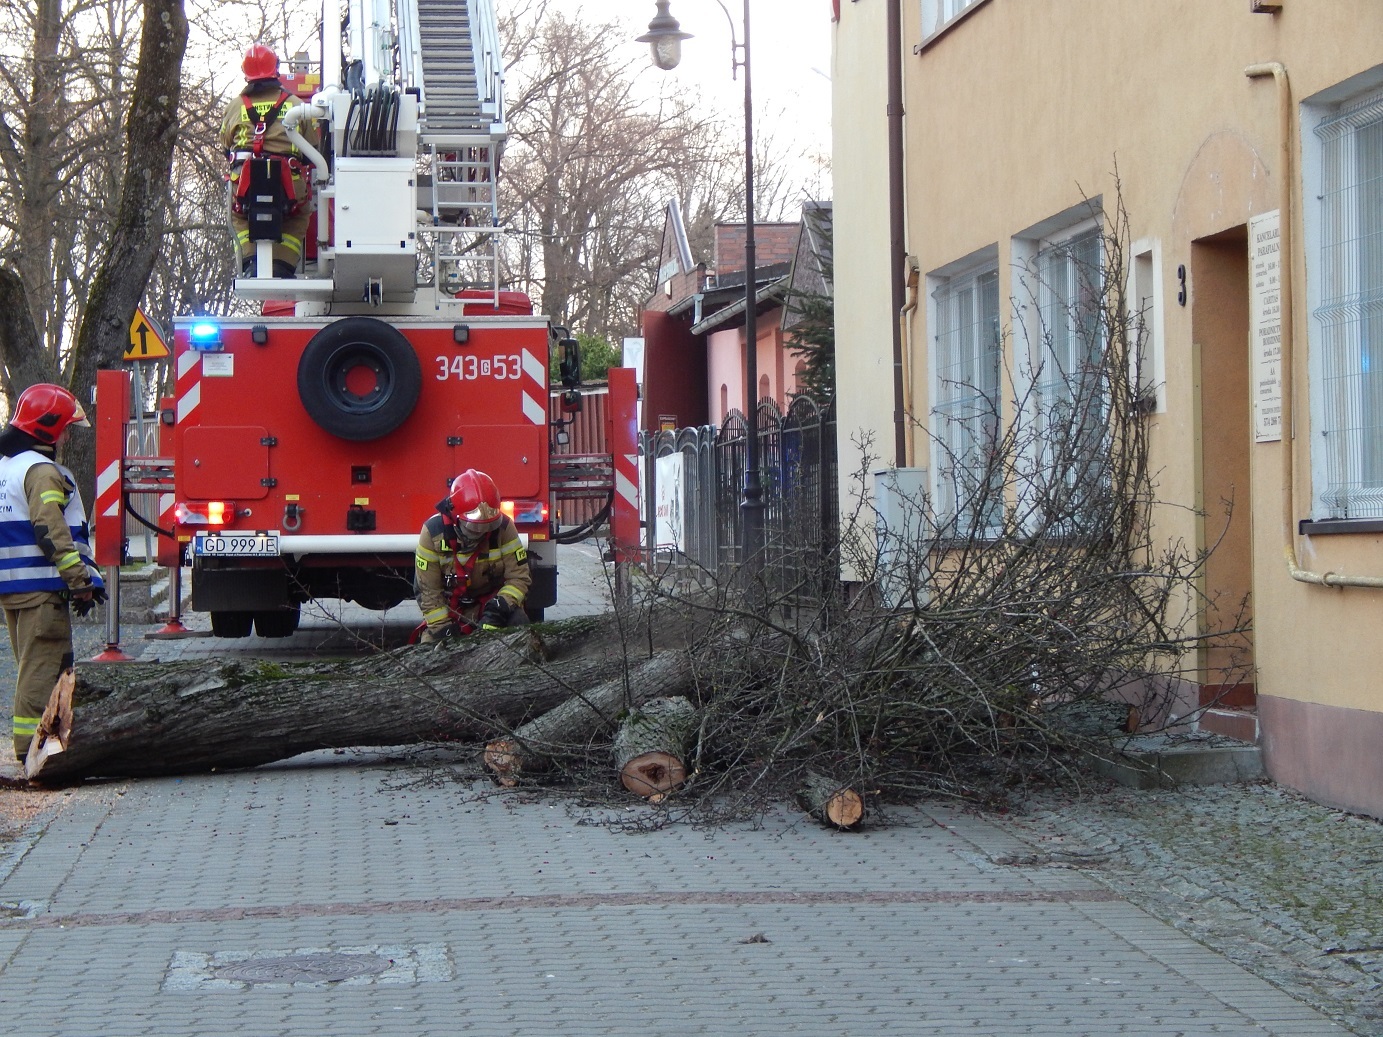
{"x": 694, "y": 483}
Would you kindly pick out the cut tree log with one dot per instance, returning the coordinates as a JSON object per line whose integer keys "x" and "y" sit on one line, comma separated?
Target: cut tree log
{"x": 651, "y": 747}
{"x": 145, "y": 719}
{"x": 830, "y": 802}
{"x": 569, "y": 728}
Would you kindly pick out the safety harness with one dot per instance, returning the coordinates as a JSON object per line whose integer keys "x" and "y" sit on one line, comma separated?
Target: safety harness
{"x": 458, "y": 600}
{"x": 288, "y": 170}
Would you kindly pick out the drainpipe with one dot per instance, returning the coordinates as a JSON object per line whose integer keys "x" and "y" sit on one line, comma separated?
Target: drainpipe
{"x": 896, "y": 254}
{"x": 905, "y": 337}
{"x": 1286, "y": 283}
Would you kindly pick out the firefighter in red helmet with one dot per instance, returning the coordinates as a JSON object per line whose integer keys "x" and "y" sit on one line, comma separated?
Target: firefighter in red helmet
{"x": 44, "y": 540}
{"x": 253, "y": 126}
{"x": 471, "y": 568}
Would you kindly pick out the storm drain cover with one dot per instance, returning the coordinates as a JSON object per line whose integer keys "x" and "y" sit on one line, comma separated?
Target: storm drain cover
{"x": 304, "y": 968}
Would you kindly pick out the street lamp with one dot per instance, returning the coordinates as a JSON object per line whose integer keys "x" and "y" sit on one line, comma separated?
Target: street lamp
{"x": 665, "y": 37}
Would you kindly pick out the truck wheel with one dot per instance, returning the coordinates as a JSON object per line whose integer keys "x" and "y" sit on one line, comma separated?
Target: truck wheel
{"x": 279, "y": 622}
{"x": 231, "y": 624}
{"x": 359, "y": 378}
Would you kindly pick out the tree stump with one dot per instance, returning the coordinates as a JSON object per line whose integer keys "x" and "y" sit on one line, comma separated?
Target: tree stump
{"x": 570, "y": 727}
{"x": 651, "y": 747}
{"x": 830, "y": 802}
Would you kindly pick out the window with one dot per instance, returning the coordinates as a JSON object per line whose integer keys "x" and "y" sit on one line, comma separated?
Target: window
{"x": 938, "y": 13}
{"x": 1067, "y": 393}
{"x": 1348, "y": 313}
{"x": 965, "y": 418}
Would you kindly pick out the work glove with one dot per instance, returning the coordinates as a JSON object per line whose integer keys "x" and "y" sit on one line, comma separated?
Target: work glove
{"x": 83, "y": 601}
{"x": 98, "y": 595}
{"x": 496, "y": 614}
{"x": 445, "y": 634}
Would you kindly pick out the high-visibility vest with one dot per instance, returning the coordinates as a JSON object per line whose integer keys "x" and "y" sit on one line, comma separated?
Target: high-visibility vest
{"x": 23, "y": 566}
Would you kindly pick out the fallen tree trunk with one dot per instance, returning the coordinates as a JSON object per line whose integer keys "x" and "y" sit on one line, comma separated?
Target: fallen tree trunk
{"x": 651, "y": 747}
{"x": 144, "y": 719}
{"x": 571, "y": 726}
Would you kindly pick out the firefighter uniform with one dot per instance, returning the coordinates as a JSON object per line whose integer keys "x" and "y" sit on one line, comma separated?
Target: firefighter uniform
{"x": 494, "y": 566}
{"x": 237, "y": 139}
{"x": 44, "y": 560}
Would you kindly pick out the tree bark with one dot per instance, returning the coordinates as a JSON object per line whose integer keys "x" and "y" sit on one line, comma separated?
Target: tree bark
{"x": 570, "y": 727}
{"x": 150, "y": 131}
{"x": 651, "y": 747}
{"x": 146, "y": 719}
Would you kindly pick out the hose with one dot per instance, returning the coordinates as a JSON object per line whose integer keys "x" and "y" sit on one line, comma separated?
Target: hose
{"x": 129, "y": 507}
{"x": 579, "y": 533}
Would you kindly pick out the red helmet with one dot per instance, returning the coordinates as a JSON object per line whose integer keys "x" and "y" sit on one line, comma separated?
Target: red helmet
{"x": 44, "y": 410}
{"x": 260, "y": 62}
{"x": 474, "y": 497}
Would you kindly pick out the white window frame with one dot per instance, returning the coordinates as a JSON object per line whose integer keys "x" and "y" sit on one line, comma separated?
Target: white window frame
{"x": 1036, "y": 380}
{"x": 957, "y": 437}
{"x": 1147, "y": 355}
{"x": 940, "y": 14}
{"x": 1344, "y": 311}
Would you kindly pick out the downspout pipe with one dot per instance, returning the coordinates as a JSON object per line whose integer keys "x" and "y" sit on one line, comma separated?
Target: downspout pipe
{"x": 1286, "y": 282}
{"x": 905, "y": 337}
{"x": 896, "y": 254}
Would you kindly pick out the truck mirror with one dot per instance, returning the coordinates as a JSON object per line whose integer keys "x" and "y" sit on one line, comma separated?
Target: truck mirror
{"x": 571, "y": 363}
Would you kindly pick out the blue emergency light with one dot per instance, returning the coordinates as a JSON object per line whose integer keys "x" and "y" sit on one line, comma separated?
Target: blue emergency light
{"x": 205, "y": 337}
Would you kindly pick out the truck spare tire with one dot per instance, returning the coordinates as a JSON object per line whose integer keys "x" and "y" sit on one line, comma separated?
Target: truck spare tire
{"x": 359, "y": 378}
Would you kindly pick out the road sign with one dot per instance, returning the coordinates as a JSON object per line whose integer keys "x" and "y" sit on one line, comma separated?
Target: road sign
{"x": 146, "y": 341}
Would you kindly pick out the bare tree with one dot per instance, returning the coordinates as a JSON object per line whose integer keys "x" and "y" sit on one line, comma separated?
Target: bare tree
{"x": 85, "y": 149}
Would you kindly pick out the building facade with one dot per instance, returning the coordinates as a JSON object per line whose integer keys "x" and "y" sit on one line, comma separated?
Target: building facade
{"x": 1243, "y": 140}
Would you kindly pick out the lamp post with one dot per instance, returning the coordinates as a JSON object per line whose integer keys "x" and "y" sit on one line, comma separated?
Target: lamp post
{"x": 665, "y": 38}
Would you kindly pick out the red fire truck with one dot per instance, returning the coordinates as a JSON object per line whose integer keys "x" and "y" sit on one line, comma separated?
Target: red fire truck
{"x": 307, "y": 443}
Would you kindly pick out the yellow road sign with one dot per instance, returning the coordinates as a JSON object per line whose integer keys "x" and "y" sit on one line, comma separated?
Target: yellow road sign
{"x": 146, "y": 341}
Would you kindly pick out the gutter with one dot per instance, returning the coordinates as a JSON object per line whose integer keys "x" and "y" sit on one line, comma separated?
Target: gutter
{"x": 774, "y": 292}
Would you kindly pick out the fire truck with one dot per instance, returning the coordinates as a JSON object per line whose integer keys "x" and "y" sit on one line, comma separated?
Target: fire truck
{"x": 305, "y": 444}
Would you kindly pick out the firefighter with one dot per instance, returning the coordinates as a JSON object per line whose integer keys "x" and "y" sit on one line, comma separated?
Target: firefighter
{"x": 471, "y": 568}
{"x": 253, "y": 125}
{"x": 44, "y": 542}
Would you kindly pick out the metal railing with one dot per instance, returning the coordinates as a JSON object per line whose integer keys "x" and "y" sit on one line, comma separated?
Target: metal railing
{"x": 693, "y": 485}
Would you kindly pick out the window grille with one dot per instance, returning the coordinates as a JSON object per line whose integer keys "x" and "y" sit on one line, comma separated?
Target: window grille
{"x": 1350, "y": 313}
{"x": 1068, "y": 391}
{"x": 965, "y": 418}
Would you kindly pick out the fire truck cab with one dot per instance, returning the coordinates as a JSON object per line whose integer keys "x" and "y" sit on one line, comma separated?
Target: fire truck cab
{"x": 311, "y": 439}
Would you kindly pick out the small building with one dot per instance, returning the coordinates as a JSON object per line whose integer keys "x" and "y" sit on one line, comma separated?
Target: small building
{"x": 694, "y": 323}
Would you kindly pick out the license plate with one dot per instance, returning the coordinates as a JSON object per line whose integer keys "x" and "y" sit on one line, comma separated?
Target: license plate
{"x": 237, "y": 545}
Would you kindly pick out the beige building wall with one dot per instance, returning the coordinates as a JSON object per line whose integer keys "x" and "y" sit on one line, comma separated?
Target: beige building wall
{"x": 863, "y": 300}
{"x": 1018, "y": 114}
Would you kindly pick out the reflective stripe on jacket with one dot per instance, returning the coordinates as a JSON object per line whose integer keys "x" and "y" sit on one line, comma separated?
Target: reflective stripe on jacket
{"x": 25, "y": 565}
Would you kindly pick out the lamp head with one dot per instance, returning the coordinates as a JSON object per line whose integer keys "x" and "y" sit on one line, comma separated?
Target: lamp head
{"x": 665, "y": 37}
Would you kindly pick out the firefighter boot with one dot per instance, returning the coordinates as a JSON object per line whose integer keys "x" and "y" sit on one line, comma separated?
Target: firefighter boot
{"x": 284, "y": 269}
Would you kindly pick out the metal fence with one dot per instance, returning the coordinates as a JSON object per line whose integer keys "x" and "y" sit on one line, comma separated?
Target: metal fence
{"x": 693, "y": 483}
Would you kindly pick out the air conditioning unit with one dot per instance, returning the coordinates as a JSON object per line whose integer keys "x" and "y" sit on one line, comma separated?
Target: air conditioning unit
{"x": 903, "y": 535}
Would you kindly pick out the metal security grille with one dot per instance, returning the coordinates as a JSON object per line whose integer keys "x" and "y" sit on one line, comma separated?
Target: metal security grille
{"x": 965, "y": 419}
{"x": 1350, "y": 314}
{"x": 1068, "y": 394}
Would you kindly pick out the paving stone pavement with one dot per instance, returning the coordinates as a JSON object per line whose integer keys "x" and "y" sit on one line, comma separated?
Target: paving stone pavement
{"x": 138, "y": 907}
{"x": 379, "y": 893}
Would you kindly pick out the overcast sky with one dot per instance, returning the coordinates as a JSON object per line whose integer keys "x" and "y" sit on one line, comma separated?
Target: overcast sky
{"x": 790, "y": 53}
